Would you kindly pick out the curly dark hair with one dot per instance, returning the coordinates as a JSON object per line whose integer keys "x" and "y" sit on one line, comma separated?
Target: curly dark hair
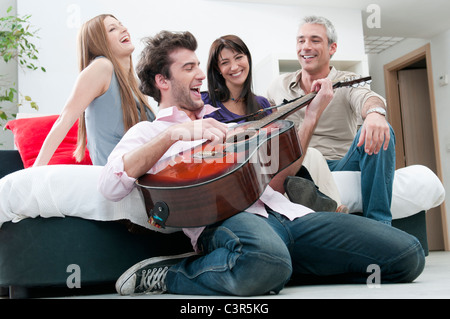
{"x": 155, "y": 58}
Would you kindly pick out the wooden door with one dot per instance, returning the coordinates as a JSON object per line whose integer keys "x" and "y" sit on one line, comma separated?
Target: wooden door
{"x": 418, "y": 137}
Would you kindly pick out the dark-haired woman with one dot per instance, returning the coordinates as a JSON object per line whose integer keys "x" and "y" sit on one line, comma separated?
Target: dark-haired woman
{"x": 230, "y": 81}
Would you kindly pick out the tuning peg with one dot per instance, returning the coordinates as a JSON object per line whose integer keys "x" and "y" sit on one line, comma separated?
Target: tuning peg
{"x": 362, "y": 83}
{"x": 352, "y": 78}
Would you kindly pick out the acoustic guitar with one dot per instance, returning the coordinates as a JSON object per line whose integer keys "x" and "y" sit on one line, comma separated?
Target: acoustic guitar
{"x": 208, "y": 184}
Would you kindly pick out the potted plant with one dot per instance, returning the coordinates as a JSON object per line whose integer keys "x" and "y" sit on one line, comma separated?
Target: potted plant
{"x": 16, "y": 36}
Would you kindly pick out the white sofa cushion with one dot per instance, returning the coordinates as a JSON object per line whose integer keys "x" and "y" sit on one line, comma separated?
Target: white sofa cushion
{"x": 71, "y": 190}
{"x": 416, "y": 188}
{"x": 66, "y": 190}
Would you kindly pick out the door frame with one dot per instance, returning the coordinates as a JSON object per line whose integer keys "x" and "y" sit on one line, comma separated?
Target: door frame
{"x": 394, "y": 113}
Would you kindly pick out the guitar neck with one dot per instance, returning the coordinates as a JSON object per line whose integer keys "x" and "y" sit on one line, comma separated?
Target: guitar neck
{"x": 290, "y": 107}
{"x": 286, "y": 110}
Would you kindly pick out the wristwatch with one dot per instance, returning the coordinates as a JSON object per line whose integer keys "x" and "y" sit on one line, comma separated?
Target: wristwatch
{"x": 378, "y": 110}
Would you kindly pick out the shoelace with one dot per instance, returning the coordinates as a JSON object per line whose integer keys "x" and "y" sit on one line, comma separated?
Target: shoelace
{"x": 153, "y": 280}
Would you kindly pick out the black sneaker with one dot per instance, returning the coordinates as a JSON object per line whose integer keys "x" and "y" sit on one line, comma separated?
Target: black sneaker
{"x": 303, "y": 191}
{"x": 148, "y": 276}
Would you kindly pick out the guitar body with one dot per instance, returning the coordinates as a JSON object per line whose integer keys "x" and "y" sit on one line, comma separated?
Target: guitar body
{"x": 208, "y": 184}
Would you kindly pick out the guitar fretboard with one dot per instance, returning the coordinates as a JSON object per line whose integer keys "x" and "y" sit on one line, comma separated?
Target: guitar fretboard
{"x": 283, "y": 111}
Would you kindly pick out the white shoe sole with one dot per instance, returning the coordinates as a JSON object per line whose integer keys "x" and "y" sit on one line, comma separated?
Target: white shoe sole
{"x": 125, "y": 283}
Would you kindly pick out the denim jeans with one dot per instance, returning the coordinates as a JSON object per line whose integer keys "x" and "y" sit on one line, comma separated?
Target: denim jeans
{"x": 377, "y": 177}
{"x": 252, "y": 255}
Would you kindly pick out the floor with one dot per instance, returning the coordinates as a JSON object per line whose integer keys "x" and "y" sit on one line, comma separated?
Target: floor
{"x": 433, "y": 283}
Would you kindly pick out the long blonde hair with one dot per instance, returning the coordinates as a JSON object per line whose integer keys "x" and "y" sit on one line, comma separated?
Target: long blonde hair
{"x": 92, "y": 43}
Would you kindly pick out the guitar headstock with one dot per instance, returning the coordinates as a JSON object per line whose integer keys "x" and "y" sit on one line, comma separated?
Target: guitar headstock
{"x": 353, "y": 82}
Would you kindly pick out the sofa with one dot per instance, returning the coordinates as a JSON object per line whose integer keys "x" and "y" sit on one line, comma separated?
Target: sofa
{"x": 40, "y": 249}
{"x": 60, "y": 236}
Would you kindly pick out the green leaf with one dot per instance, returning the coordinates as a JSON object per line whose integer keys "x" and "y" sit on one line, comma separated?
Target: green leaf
{"x": 17, "y": 37}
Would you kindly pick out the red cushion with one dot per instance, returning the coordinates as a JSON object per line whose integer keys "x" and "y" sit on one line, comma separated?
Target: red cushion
{"x": 30, "y": 133}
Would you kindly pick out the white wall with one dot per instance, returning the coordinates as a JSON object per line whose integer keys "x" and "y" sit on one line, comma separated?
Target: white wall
{"x": 264, "y": 28}
{"x": 440, "y": 56}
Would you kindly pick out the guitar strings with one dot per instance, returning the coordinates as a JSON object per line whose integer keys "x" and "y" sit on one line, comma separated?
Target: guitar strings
{"x": 346, "y": 81}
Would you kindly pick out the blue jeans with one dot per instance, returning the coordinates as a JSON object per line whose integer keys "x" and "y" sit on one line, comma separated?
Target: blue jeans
{"x": 377, "y": 177}
{"x": 252, "y": 255}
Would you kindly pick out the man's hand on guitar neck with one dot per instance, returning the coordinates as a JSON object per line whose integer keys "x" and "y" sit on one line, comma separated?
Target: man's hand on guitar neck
{"x": 314, "y": 110}
{"x": 324, "y": 94}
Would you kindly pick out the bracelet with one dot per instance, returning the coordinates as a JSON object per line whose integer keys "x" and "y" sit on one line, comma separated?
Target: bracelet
{"x": 378, "y": 110}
